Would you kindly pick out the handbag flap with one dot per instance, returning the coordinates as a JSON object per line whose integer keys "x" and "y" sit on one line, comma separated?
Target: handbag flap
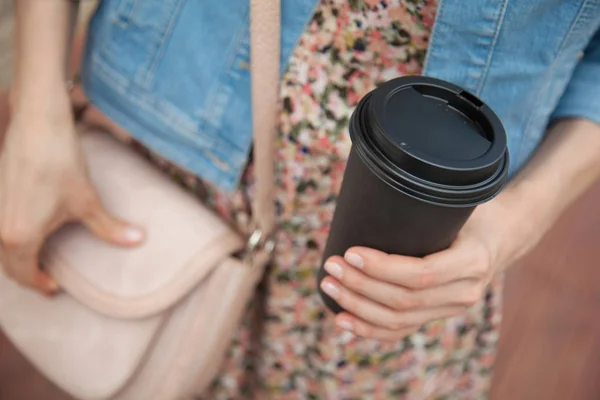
{"x": 184, "y": 240}
{"x": 89, "y": 355}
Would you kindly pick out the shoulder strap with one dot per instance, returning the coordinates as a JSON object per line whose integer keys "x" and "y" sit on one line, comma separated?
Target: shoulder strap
{"x": 265, "y": 44}
{"x": 265, "y": 49}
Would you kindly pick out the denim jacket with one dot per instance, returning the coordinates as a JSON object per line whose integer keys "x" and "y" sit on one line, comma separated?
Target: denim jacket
{"x": 175, "y": 72}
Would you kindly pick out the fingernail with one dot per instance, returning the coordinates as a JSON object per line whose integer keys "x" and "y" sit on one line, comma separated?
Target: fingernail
{"x": 354, "y": 259}
{"x": 334, "y": 269}
{"x": 331, "y": 289}
{"x": 132, "y": 234}
{"x": 347, "y": 325}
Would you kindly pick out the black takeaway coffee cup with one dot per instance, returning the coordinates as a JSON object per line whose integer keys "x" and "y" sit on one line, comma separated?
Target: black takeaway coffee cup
{"x": 424, "y": 154}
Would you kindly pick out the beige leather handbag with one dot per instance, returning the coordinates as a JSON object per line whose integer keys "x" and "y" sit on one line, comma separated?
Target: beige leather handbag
{"x": 152, "y": 322}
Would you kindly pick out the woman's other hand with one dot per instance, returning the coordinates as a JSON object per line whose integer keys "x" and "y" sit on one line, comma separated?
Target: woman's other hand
{"x": 43, "y": 178}
{"x": 43, "y": 185}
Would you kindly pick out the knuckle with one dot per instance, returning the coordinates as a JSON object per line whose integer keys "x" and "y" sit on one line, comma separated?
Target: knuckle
{"x": 472, "y": 295}
{"x": 13, "y": 238}
{"x": 26, "y": 281}
{"x": 480, "y": 269}
{"x": 347, "y": 301}
{"x": 23, "y": 279}
{"x": 401, "y": 333}
{"x": 85, "y": 207}
{"x": 353, "y": 281}
{"x": 480, "y": 265}
{"x": 85, "y": 203}
{"x": 376, "y": 265}
{"x": 424, "y": 281}
{"x": 364, "y": 330}
{"x": 404, "y": 301}
{"x": 454, "y": 312}
{"x": 397, "y": 323}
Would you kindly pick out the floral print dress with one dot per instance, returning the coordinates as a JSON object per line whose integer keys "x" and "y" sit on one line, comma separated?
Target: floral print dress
{"x": 348, "y": 48}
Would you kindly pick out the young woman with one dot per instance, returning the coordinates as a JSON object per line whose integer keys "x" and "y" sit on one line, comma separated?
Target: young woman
{"x": 171, "y": 76}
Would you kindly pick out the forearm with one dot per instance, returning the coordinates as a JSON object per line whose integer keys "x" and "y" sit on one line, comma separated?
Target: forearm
{"x": 43, "y": 32}
{"x": 566, "y": 165}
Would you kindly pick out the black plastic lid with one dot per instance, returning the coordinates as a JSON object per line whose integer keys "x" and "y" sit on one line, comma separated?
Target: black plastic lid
{"x": 432, "y": 136}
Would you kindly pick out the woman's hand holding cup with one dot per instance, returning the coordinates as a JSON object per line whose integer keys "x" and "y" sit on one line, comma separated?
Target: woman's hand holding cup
{"x": 388, "y": 297}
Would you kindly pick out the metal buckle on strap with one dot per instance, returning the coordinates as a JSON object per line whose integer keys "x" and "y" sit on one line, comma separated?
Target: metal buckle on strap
{"x": 258, "y": 241}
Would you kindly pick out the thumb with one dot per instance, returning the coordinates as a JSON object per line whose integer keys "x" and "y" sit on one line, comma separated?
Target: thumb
{"x": 110, "y": 228}
{"x": 21, "y": 264}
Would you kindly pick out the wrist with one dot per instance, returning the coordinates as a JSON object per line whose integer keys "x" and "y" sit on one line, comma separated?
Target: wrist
{"x": 50, "y": 100}
{"x": 524, "y": 220}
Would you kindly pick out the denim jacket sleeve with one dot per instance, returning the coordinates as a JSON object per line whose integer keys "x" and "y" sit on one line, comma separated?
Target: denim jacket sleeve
{"x": 523, "y": 58}
{"x": 582, "y": 96}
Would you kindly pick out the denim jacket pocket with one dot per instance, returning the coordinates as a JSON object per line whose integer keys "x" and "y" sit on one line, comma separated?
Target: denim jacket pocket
{"x": 138, "y": 32}
{"x": 175, "y": 74}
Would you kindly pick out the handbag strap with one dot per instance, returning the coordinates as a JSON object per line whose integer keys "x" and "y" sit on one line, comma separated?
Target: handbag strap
{"x": 265, "y": 45}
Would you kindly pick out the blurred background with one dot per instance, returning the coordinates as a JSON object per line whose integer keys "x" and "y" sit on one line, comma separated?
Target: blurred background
{"x": 6, "y": 48}
{"x": 550, "y": 346}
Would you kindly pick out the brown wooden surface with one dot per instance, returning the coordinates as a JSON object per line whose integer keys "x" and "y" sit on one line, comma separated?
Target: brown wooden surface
{"x": 550, "y": 343}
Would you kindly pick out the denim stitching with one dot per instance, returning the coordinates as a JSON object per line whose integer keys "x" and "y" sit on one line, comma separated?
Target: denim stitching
{"x": 212, "y": 103}
{"x": 175, "y": 119}
{"x": 490, "y": 56}
{"x": 434, "y": 35}
{"x": 212, "y": 173}
{"x": 166, "y": 35}
{"x": 546, "y": 82}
